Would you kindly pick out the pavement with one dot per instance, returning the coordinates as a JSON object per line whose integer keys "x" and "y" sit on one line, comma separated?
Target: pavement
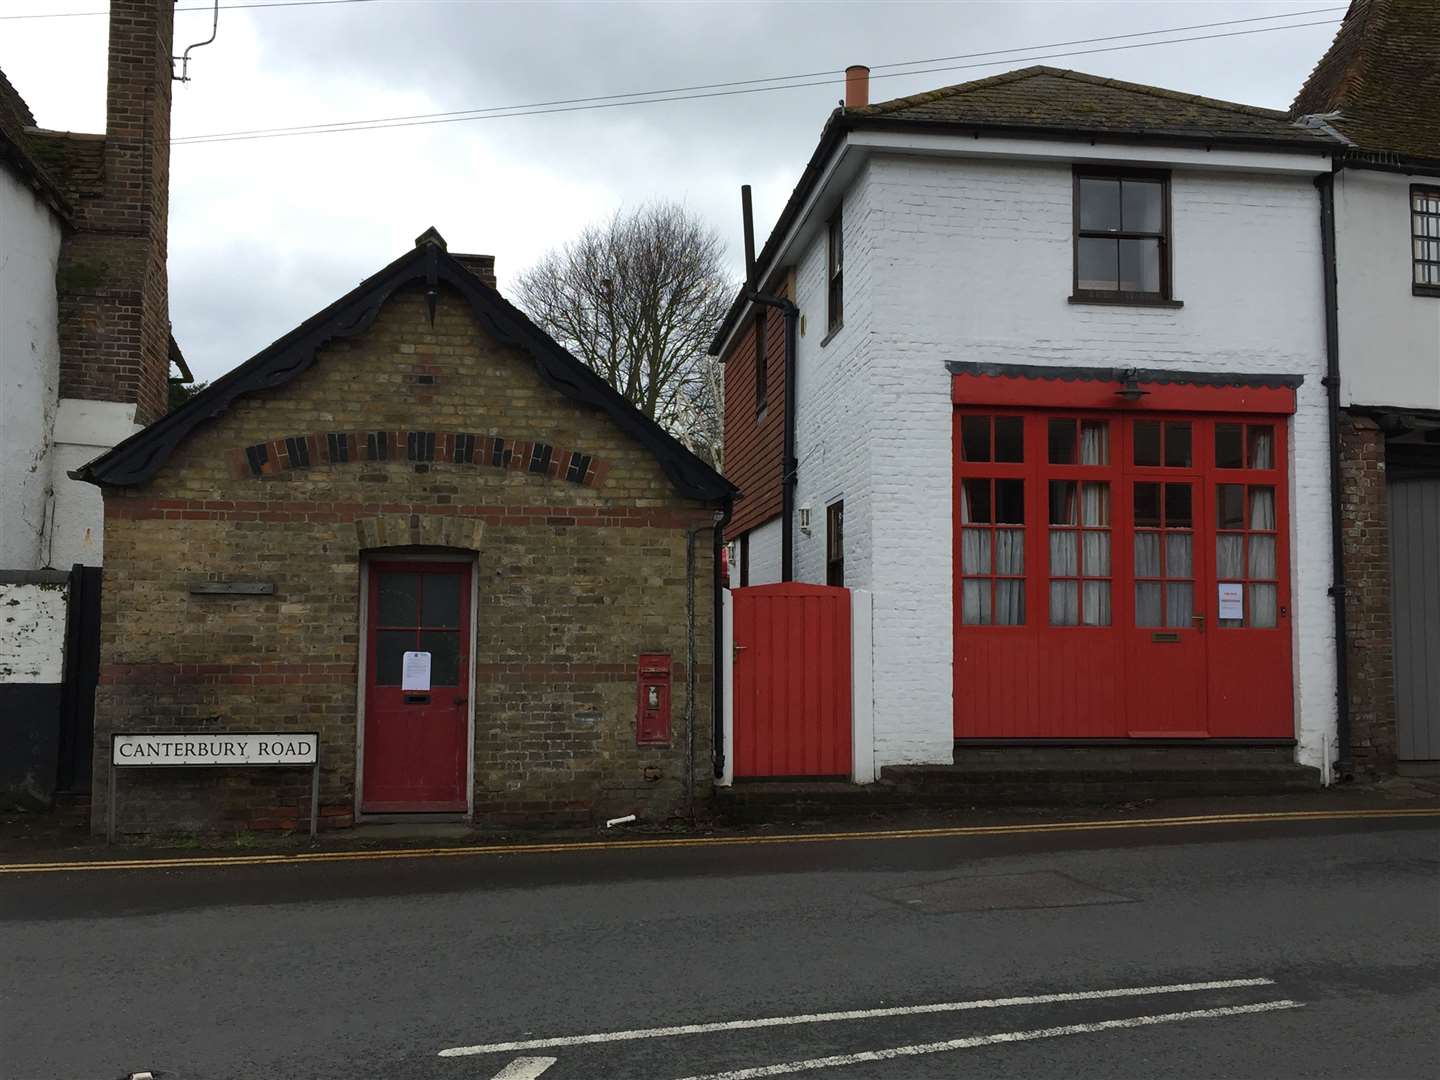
{"x": 1251, "y": 943}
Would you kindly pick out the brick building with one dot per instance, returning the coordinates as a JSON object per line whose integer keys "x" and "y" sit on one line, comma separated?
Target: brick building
{"x": 1378, "y": 88}
{"x": 1056, "y": 400}
{"x": 417, "y": 468}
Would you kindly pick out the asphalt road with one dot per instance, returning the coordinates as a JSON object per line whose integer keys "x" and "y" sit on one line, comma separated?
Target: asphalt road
{"x": 1258, "y": 950}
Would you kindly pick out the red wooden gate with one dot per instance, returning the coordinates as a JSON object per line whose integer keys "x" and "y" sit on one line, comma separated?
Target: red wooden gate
{"x": 792, "y": 681}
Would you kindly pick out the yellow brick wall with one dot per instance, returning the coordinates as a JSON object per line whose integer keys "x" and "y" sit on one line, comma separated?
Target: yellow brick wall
{"x": 574, "y": 582}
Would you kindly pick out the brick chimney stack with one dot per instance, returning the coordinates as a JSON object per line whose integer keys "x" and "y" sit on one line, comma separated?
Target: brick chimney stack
{"x": 113, "y": 285}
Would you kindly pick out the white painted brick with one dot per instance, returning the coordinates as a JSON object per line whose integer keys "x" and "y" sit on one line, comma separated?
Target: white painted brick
{"x": 971, "y": 260}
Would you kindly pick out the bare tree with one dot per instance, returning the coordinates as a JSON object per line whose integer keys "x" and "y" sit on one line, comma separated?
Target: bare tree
{"x": 637, "y": 299}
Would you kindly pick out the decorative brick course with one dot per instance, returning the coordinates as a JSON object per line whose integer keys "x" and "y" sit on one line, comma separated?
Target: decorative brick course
{"x": 452, "y": 448}
{"x": 575, "y": 580}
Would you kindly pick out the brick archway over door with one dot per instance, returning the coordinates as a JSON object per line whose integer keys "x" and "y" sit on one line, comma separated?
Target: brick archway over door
{"x": 419, "y": 530}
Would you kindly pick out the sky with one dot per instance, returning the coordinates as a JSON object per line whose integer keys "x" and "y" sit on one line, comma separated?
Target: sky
{"x": 265, "y": 232}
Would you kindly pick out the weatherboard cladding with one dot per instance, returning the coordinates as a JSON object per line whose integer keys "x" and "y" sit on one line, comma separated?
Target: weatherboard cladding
{"x": 755, "y": 440}
{"x": 136, "y": 460}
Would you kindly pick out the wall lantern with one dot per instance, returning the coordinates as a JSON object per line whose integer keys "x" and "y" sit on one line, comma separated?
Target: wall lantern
{"x": 1130, "y": 386}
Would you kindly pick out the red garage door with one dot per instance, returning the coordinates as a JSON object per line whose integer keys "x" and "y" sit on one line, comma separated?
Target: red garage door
{"x": 1121, "y": 574}
{"x": 792, "y": 681}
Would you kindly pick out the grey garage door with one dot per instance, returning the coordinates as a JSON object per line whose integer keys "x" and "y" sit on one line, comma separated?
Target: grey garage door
{"x": 1415, "y": 559}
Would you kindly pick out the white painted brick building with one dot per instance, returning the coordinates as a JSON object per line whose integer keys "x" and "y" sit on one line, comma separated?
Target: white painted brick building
{"x": 959, "y": 247}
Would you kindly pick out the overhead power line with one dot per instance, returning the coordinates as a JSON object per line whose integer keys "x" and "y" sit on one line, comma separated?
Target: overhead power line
{"x": 479, "y": 113}
{"x": 201, "y": 7}
{"x": 610, "y": 101}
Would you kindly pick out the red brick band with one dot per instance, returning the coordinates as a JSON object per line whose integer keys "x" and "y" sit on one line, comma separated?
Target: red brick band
{"x": 293, "y": 511}
{"x": 279, "y": 674}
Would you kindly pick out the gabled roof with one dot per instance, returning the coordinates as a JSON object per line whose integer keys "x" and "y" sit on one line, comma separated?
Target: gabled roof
{"x": 1056, "y": 99}
{"x": 1381, "y": 76}
{"x": 1047, "y": 103}
{"x": 17, "y": 151}
{"x": 139, "y": 457}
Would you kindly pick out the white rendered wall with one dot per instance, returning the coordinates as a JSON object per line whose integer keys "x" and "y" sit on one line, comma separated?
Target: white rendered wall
{"x": 83, "y": 431}
{"x": 1389, "y": 338}
{"x": 29, "y": 370}
{"x": 834, "y": 388}
{"x": 764, "y": 547}
{"x": 956, "y": 260}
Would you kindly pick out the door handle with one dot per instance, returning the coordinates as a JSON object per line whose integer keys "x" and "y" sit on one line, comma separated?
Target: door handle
{"x": 461, "y": 700}
{"x": 735, "y": 650}
{"x": 1199, "y": 621}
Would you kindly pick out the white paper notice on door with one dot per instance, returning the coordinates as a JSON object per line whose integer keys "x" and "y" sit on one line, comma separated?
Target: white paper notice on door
{"x": 1232, "y": 600}
{"x": 416, "y": 673}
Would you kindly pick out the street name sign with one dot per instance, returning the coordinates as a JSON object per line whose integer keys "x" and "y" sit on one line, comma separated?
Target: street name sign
{"x": 196, "y": 749}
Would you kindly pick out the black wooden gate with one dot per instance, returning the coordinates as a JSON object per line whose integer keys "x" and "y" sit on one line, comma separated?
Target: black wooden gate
{"x": 82, "y": 672}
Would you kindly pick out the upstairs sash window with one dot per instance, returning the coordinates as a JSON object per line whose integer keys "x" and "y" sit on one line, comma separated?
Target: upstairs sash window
{"x": 1122, "y": 236}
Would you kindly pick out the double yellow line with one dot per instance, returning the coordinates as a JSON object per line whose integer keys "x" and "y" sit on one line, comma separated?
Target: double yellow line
{"x": 575, "y": 847}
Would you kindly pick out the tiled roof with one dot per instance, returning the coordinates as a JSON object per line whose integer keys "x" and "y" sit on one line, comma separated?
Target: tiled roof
{"x": 17, "y": 147}
{"x": 1382, "y": 76}
{"x": 1055, "y": 99}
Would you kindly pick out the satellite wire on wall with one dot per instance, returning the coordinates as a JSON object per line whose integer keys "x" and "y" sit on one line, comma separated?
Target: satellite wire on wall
{"x": 184, "y": 58}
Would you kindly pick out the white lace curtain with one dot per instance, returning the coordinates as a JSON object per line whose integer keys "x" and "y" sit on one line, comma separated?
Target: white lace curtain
{"x": 1084, "y": 553}
{"x": 1231, "y": 563}
{"x": 1008, "y": 607}
{"x": 1178, "y": 603}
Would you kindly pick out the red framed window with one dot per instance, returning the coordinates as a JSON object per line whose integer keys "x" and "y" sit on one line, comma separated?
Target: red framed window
{"x": 992, "y": 496}
{"x": 1247, "y": 540}
{"x": 1078, "y": 471}
{"x": 1086, "y": 520}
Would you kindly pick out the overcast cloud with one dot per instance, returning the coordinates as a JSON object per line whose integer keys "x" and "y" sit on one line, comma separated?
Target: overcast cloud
{"x": 264, "y": 233}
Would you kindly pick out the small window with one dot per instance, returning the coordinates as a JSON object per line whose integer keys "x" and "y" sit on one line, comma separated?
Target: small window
{"x": 835, "y": 543}
{"x": 836, "y": 247}
{"x": 745, "y": 560}
{"x": 992, "y": 438}
{"x": 1122, "y": 236}
{"x": 1161, "y": 444}
{"x": 762, "y": 373}
{"x": 1425, "y": 240}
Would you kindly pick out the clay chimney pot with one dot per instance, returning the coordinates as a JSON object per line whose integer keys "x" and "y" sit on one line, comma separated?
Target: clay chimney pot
{"x": 857, "y": 86}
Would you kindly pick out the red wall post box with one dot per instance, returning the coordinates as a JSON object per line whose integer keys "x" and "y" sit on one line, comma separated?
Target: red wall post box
{"x": 652, "y": 708}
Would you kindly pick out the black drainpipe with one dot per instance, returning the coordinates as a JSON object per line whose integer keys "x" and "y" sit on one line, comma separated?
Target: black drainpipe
{"x": 1325, "y": 184}
{"x": 788, "y": 465}
{"x": 717, "y": 663}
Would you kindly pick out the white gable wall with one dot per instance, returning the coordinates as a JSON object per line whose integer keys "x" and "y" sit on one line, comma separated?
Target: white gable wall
{"x": 834, "y": 411}
{"x": 971, "y": 260}
{"x": 1389, "y": 338}
{"x": 29, "y": 369}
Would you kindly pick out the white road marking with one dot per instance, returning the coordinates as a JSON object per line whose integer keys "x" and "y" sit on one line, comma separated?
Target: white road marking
{"x": 989, "y": 1040}
{"x": 525, "y": 1068}
{"x": 853, "y": 1014}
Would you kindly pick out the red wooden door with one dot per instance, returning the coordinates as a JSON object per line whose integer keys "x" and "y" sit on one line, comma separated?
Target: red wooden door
{"x": 416, "y": 741}
{"x": 791, "y": 689}
{"x": 1248, "y": 505}
{"x": 1092, "y": 550}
